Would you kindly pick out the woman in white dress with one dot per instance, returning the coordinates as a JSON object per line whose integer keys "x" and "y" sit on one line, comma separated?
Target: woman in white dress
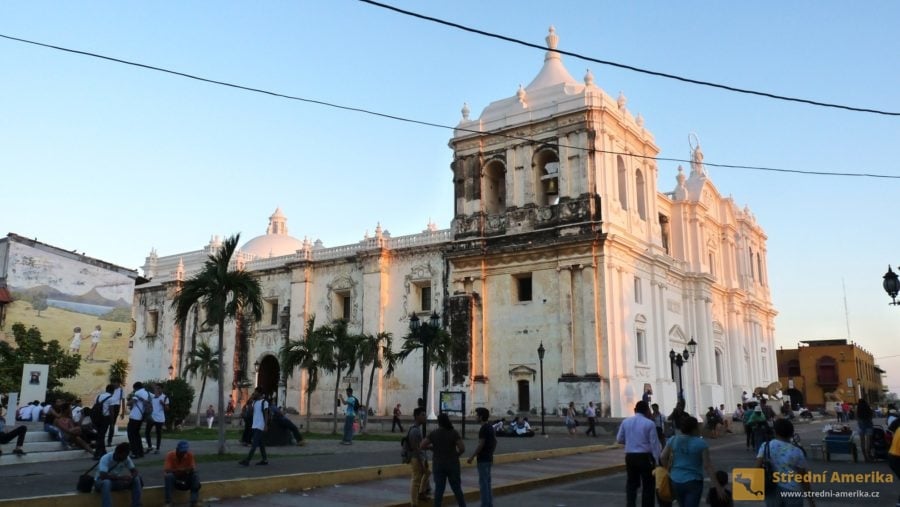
{"x": 75, "y": 346}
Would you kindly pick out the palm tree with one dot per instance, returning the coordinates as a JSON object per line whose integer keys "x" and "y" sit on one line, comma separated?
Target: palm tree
{"x": 440, "y": 348}
{"x": 223, "y": 294}
{"x": 307, "y": 354}
{"x": 339, "y": 350}
{"x": 205, "y": 361}
{"x": 369, "y": 349}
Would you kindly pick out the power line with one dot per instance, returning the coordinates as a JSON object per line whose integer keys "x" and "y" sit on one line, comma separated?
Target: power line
{"x": 430, "y": 124}
{"x": 629, "y": 67}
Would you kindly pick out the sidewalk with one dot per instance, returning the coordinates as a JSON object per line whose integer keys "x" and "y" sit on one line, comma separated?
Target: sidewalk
{"x": 320, "y": 463}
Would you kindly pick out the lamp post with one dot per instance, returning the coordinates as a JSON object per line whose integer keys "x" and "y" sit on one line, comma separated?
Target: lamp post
{"x": 678, "y": 359}
{"x": 541, "y": 351}
{"x": 424, "y": 334}
{"x": 891, "y": 285}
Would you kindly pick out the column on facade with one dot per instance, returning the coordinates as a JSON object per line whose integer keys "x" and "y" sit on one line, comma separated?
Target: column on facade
{"x": 300, "y": 315}
{"x": 661, "y": 340}
{"x": 566, "y": 320}
{"x": 621, "y": 335}
{"x": 590, "y": 297}
{"x": 614, "y": 356}
{"x": 480, "y": 346}
{"x": 375, "y": 283}
{"x": 578, "y": 320}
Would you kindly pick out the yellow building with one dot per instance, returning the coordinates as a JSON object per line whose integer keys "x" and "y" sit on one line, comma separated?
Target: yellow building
{"x": 819, "y": 367}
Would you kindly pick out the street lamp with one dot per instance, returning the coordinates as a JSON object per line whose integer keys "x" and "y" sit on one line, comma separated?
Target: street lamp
{"x": 678, "y": 359}
{"x": 891, "y": 285}
{"x": 541, "y": 351}
{"x": 424, "y": 334}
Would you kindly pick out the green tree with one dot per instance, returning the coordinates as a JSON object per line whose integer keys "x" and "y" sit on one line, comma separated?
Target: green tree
{"x": 376, "y": 351}
{"x": 307, "y": 354}
{"x": 222, "y": 294}
{"x": 31, "y": 348}
{"x": 39, "y": 303}
{"x": 205, "y": 361}
{"x": 118, "y": 371}
{"x": 338, "y": 351}
{"x": 181, "y": 395}
{"x": 440, "y": 347}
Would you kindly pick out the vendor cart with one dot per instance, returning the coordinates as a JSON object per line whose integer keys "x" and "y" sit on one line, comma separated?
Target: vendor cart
{"x": 839, "y": 443}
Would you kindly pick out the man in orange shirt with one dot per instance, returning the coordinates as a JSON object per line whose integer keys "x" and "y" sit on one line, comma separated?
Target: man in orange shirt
{"x": 180, "y": 472}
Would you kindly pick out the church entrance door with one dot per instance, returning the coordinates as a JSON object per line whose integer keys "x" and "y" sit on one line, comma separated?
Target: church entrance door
{"x": 524, "y": 396}
{"x": 267, "y": 376}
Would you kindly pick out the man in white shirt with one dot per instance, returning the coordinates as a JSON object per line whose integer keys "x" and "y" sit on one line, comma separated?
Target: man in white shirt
{"x": 638, "y": 434}
{"x": 260, "y": 424}
{"x": 136, "y": 418}
{"x": 160, "y": 404}
{"x": 115, "y": 404}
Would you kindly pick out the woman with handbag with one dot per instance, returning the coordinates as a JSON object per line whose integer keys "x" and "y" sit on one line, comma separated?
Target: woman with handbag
{"x": 687, "y": 457}
{"x": 779, "y": 455}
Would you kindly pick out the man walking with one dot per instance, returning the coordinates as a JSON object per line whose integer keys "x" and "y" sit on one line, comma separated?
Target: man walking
{"x": 115, "y": 404}
{"x": 418, "y": 462}
{"x": 395, "y": 423}
{"x": 591, "y": 414}
{"x": 260, "y": 425}
{"x": 638, "y": 434}
{"x": 487, "y": 443}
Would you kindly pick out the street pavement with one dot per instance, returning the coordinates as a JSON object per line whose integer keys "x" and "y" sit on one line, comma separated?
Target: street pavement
{"x": 49, "y": 478}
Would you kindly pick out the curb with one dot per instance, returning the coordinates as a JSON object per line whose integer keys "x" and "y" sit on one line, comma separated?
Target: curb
{"x": 243, "y": 487}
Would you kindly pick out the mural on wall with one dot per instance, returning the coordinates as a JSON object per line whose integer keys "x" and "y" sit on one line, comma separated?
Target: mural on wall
{"x": 82, "y": 302}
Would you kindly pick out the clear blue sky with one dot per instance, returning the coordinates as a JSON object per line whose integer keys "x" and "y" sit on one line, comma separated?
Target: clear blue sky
{"x": 113, "y": 160}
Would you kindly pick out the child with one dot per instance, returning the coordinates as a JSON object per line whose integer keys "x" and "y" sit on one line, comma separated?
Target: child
{"x": 713, "y": 499}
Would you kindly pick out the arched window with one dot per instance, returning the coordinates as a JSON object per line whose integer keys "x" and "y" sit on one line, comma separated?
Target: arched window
{"x": 623, "y": 192}
{"x": 494, "y": 194}
{"x": 641, "y": 199}
{"x": 546, "y": 165}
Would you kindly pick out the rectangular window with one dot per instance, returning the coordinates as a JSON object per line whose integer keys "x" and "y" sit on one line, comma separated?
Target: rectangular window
{"x": 343, "y": 305}
{"x": 152, "y": 322}
{"x": 523, "y": 287}
{"x": 425, "y": 298}
{"x": 272, "y": 309}
{"x": 641, "y": 339}
{"x": 638, "y": 296}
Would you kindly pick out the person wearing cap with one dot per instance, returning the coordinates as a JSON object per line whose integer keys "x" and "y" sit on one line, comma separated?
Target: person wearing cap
{"x": 180, "y": 473}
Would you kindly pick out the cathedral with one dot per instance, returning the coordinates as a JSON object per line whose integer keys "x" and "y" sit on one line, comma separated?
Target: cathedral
{"x": 560, "y": 239}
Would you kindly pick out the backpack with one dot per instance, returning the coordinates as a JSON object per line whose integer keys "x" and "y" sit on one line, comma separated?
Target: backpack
{"x": 405, "y": 452}
{"x": 145, "y": 406}
{"x": 97, "y": 409}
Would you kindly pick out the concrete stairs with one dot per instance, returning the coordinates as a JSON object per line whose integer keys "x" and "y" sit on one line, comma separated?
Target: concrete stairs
{"x": 41, "y": 448}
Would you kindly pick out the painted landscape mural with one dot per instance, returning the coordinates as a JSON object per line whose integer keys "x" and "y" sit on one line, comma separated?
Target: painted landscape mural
{"x": 68, "y": 296}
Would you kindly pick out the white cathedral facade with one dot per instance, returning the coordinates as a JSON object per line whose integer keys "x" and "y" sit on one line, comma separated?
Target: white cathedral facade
{"x": 559, "y": 237}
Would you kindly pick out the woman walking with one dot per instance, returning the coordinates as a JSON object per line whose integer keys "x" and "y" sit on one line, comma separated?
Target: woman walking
{"x": 689, "y": 458}
{"x": 446, "y": 446}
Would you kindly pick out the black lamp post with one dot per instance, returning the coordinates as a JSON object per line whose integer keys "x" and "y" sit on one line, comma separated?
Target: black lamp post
{"x": 541, "y": 351}
{"x": 891, "y": 285}
{"x": 424, "y": 334}
{"x": 678, "y": 359}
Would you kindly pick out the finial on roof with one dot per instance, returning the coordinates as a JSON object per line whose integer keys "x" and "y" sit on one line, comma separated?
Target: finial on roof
{"x": 378, "y": 231}
{"x": 465, "y": 111}
{"x": 640, "y": 120}
{"x": 621, "y": 101}
{"x": 521, "y": 94}
{"x": 589, "y": 78}
{"x": 431, "y": 227}
{"x": 552, "y": 39}
{"x": 179, "y": 270}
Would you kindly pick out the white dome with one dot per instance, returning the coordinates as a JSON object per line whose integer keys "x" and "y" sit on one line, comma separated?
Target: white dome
{"x": 275, "y": 242}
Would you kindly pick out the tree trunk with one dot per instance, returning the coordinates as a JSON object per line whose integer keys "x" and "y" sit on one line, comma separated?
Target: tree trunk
{"x": 369, "y": 395}
{"x": 337, "y": 386}
{"x": 200, "y": 399}
{"x": 221, "y": 386}
{"x": 308, "y": 396}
